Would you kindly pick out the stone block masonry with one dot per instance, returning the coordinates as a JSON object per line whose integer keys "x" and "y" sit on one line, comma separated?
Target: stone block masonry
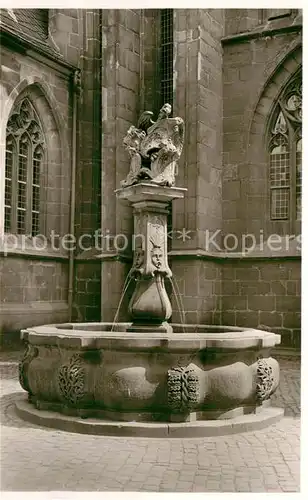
{"x": 88, "y": 175}
{"x": 198, "y": 98}
{"x": 32, "y": 292}
{"x": 196, "y": 293}
{"x": 255, "y": 69}
{"x": 264, "y": 294}
{"x": 120, "y": 109}
{"x": 230, "y": 66}
{"x": 86, "y": 305}
{"x": 34, "y": 284}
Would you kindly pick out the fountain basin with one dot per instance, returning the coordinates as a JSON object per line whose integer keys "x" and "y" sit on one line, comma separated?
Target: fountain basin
{"x": 208, "y": 373}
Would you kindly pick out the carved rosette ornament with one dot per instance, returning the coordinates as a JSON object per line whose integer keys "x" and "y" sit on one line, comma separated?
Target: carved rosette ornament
{"x": 265, "y": 380}
{"x": 30, "y": 353}
{"x": 183, "y": 388}
{"x": 71, "y": 380}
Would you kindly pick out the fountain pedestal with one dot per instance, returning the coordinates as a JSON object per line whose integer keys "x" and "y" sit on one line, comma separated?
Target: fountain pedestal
{"x": 150, "y": 306}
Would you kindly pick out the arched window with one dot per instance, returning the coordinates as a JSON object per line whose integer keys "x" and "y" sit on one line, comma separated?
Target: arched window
{"x": 25, "y": 148}
{"x": 285, "y": 155}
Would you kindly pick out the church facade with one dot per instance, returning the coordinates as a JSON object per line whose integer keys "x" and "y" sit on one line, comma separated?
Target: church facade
{"x": 72, "y": 83}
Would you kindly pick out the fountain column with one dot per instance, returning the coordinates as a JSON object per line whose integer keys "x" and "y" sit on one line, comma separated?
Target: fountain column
{"x": 150, "y": 306}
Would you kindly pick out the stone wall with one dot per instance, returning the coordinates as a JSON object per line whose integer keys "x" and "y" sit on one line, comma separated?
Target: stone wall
{"x": 120, "y": 109}
{"x": 87, "y": 285}
{"x": 49, "y": 92}
{"x": 199, "y": 289}
{"x": 255, "y": 69}
{"x": 34, "y": 284}
{"x": 66, "y": 28}
{"x": 261, "y": 52}
{"x": 229, "y": 67}
{"x": 88, "y": 171}
{"x": 258, "y": 293}
{"x": 198, "y": 100}
{"x": 32, "y": 292}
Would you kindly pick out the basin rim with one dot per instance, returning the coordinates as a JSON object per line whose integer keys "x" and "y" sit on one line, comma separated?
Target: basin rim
{"x": 65, "y": 335}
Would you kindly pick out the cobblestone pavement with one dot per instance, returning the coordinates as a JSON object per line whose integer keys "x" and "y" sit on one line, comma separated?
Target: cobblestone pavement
{"x": 40, "y": 459}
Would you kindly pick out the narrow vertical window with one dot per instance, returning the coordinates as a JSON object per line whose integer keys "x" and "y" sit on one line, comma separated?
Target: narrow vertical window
{"x": 280, "y": 182}
{"x": 9, "y": 155}
{"x": 37, "y": 159}
{"x": 23, "y": 160}
{"x": 166, "y": 56}
{"x": 166, "y": 74}
{"x": 299, "y": 179}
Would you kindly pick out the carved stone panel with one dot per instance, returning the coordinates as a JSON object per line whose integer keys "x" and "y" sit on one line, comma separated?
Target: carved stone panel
{"x": 265, "y": 380}
{"x": 71, "y": 380}
{"x": 30, "y": 353}
{"x": 183, "y": 388}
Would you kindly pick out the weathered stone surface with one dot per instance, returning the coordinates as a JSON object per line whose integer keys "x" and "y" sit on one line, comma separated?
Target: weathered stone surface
{"x": 84, "y": 369}
{"x": 154, "y": 148}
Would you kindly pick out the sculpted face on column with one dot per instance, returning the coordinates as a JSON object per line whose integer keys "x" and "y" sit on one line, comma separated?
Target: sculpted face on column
{"x": 138, "y": 264}
{"x": 139, "y": 257}
{"x": 157, "y": 257}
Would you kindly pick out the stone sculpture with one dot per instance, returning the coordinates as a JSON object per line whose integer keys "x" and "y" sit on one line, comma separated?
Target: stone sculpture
{"x": 154, "y": 148}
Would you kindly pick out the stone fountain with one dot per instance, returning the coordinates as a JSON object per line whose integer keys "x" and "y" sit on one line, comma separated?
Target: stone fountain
{"x": 148, "y": 377}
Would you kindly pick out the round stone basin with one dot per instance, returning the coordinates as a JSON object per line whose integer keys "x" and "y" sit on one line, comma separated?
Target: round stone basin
{"x": 198, "y": 371}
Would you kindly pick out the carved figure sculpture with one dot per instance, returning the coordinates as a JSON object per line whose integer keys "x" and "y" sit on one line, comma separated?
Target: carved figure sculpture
{"x": 154, "y": 148}
{"x": 131, "y": 143}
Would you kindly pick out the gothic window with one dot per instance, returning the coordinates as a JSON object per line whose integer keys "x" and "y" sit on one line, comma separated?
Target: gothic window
{"x": 23, "y": 164}
{"x": 285, "y": 155}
